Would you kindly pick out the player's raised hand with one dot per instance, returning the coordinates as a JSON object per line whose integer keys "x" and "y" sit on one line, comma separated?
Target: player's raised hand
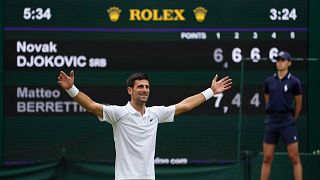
{"x": 221, "y": 85}
{"x": 66, "y": 81}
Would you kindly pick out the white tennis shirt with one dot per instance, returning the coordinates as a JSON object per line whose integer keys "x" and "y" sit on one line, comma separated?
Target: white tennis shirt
{"x": 135, "y": 138}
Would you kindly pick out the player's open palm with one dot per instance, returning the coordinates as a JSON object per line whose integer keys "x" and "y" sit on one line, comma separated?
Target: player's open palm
{"x": 66, "y": 81}
{"x": 221, "y": 85}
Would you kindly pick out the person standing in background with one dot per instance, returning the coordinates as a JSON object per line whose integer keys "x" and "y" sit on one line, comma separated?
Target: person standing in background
{"x": 283, "y": 98}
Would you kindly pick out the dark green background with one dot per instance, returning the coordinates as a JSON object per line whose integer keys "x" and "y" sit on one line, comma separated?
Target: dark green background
{"x": 196, "y": 135}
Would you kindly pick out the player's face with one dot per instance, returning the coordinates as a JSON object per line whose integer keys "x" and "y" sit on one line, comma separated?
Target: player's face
{"x": 140, "y": 91}
{"x": 283, "y": 64}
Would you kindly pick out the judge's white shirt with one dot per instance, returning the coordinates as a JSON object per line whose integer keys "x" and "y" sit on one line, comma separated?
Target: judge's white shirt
{"x": 135, "y": 138}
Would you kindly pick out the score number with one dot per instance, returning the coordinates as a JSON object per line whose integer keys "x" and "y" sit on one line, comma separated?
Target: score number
{"x": 36, "y": 14}
{"x": 238, "y": 57}
{"x": 236, "y": 101}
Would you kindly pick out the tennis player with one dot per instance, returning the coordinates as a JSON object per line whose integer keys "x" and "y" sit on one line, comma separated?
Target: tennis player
{"x": 135, "y": 125}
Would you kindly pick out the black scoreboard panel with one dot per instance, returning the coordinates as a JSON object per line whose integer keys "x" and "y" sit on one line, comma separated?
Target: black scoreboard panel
{"x": 180, "y": 45}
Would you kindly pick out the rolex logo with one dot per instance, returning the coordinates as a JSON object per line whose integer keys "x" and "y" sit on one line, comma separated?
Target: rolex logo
{"x": 114, "y": 13}
{"x": 200, "y": 13}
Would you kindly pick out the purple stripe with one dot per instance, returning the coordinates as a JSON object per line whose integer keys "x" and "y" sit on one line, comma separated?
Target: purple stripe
{"x": 212, "y": 162}
{"x": 74, "y": 29}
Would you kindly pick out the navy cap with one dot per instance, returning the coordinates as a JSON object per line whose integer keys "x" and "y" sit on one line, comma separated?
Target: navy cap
{"x": 283, "y": 55}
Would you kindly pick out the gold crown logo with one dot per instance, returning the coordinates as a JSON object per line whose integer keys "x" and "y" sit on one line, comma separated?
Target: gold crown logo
{"x": 114, "y": 13}
{"x": 200, "y": 13}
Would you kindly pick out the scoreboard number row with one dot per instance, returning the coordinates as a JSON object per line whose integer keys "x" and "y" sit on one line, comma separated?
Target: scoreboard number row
{"x": 237, "y": 54}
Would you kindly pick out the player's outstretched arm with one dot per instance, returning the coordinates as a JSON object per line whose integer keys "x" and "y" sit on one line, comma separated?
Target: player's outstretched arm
{"x": 195, "y": 100}
{"x": 67, "y": 83}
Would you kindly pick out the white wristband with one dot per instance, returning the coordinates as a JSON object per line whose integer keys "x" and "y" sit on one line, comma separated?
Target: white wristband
{"x": 73, "y": 91}
{"x": 208, "y": 93}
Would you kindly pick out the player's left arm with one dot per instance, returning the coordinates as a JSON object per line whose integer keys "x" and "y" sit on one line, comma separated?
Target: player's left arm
{"x": 298, "y": 106}
{"x": 193, "y": 101}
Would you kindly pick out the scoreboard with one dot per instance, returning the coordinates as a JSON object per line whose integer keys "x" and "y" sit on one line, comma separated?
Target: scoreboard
{"x": 180, "y": 45}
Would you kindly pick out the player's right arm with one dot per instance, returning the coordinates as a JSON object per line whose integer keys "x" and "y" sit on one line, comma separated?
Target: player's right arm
{"x": 67, "y": 82}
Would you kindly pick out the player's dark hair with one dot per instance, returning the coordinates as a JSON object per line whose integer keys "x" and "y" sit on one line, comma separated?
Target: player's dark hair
{"x": 136, "y": 76}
